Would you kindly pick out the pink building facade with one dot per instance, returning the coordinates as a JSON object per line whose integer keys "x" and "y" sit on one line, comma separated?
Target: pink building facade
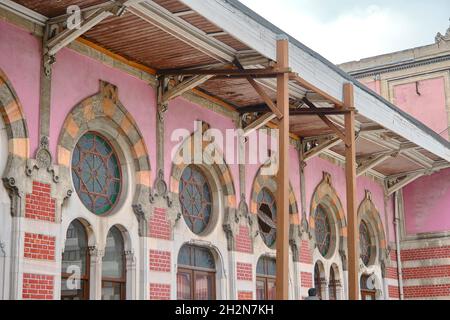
{"x": 138, "y": 249}
{"x": 417, "y": 80}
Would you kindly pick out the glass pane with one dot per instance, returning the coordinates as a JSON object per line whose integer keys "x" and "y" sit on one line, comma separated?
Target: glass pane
{"x": 74, "y": 259}
{"x": 195, "y": 198}
{"x": 271, "y": 290}
{"x": 184, "y": 257}
{"x": 111, "y": 291}
{"x": 204, "y": 258}
{"x": 96, "y": 174}
{"x": 322, "y": 230}
{"x": 365, "y": 243}
{"x": 203, "y": 287}
{"x": 260, "y": 290}
{"x": 113, "y": 260}
{"x": 267, "y": 212}
{"x": 73, "y": 289}
{"x": 184, "y": 286}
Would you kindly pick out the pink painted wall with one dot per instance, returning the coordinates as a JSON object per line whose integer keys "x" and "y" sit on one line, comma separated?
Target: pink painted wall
{"x": 182, "y": 114}
{"x": 251, "y": 171}
{"x": 20, "y": 61}
{"x": 428, "y": 107}
{"x": 76, "y": 77}
{"x": 374, "y": 86}
{"x": 427, "y": 204}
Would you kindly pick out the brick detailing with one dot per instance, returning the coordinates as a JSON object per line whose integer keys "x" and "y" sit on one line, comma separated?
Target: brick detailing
{"x": 245, "y": 295}
{"x": 243, "y": 241}
{"x": 426, "y": 272}
{"x": 159, "y": 261}
{"x": 159, "y": 291}
{"x": 392, "y": 273}
{"x": 244, "y": 271}
{"x": 440, "y": 290}
{"x": 305, "y": 253}
{"x": 393, "y": 255}
{"x": 37, "y": 287}
{"x": 306, "y": 279}
{"x": 394, "y": 292}
{"x": 39, "y": 205}
{"x": 39, "y": 247}
{"x": 159, "y": 226}
{"x": 425, "y": 253}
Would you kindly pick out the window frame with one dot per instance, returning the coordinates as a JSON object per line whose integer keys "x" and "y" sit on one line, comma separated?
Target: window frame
{"x": 119, "y": 167}
{"x": 85, "y": 278}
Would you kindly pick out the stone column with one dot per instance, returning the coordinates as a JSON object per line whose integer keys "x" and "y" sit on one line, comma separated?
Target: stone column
{"x": 95, "y": 285}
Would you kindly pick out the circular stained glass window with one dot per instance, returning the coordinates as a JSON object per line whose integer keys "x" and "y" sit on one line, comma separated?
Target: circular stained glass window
{"x": 322, "y": 230}
{"x": 267, "y": 217}
{"x": 365, "y": 243}
{"x": 195, "y": 198}
{"x": 96, "y": 173}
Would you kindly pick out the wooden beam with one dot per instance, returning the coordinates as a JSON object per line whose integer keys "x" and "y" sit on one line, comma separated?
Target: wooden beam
{"x": 258, "y": 123}
{"x": 327, "y": 121}
{"x": 403, "y": 182}
{"x": 263, "y": 94}
{"x": 61, "y": 40}
{"x": 305, "y": 84}
{"x": 266, "y": 98}
{"x": 182, "y": 30}
{"x": 184, "y": 86}
{"x": 318, "y": 112}
{"x": 352, "y": 218}
{"x": 321, "y": 148}
{"x": 282, "y": 238}
{"x": 273, "y": 72}
{"x": 372, "y": 162}
{"x": 398, "y": 181}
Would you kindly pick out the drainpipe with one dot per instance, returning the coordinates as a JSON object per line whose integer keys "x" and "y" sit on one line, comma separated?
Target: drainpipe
{"x": 397, "y": 243}
{"x": 2, "y": 248}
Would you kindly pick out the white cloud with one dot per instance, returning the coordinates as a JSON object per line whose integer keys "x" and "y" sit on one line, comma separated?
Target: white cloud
{"x": 355, "y": 30}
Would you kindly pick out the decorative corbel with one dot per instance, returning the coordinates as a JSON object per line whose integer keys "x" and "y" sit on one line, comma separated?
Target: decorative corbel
{"x": 43, "y": 161}
{"x": 160, "y": 190}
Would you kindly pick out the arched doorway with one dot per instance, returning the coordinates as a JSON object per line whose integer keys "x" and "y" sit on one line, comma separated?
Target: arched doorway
{"x": 368, "y": 287}
{"x": 113, "y": 267}
{"x": 75, "y": 264}
{"x": 196, "y": 276}
{"x": 319, "y": 279}
{"x": 265, "y": 279}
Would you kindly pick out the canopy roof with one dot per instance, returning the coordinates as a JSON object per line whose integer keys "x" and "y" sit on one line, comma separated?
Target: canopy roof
{"x": 170, "y": 36}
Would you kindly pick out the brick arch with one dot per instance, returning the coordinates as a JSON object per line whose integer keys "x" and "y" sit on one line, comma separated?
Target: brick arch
{"x": 325, "y": 194}
{"x": 13, "y": 116}
{"x": 106, "y": 108}
{"x": 369, "y": 213}
{"x": 221, "y": 169}
{"x": 264, "y": 181}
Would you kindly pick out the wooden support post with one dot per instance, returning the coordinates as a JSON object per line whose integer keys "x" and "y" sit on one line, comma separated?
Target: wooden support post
{"x": 282, "y": 246}
{"x": 352, "y": 218}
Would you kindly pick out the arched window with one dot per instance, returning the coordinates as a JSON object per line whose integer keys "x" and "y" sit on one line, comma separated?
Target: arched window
{"x": 195, "y": 198}
{"x": 365, "y": 243}
{"x": 267, "y": 217}
{"x": 96, "y": 173}
{"x": 196, "y": 277}
{"x": 318, "y": 280}
{"x": 75, "y": 264}
{"x": 332, "y": 285}
{"x": 265, "y": 279}
{"x": 322, "y": 230}
{"x": 113, "y": 267}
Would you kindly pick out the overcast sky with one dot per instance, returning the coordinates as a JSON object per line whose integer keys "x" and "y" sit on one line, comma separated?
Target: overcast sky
{"x": 346, "y": 30}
